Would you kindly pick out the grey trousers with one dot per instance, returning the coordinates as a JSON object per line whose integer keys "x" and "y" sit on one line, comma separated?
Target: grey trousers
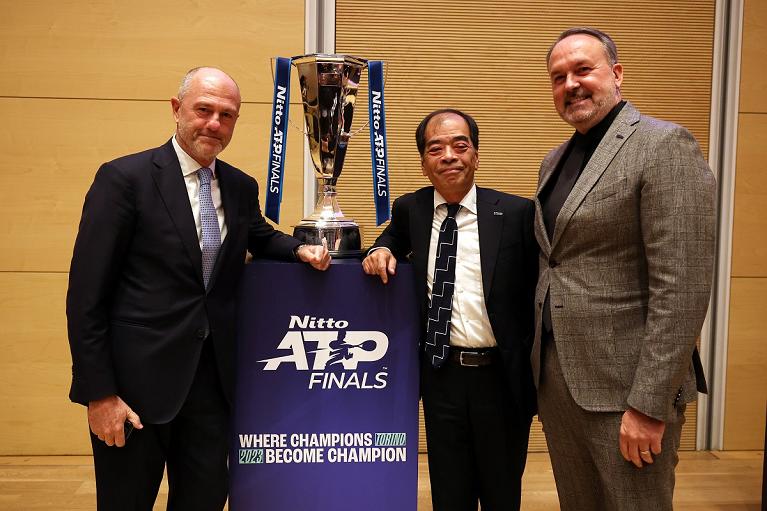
{"x": 589, "y": 470}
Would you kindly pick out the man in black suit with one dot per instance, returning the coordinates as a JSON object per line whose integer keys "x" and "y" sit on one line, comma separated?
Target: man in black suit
{"x": 151, "y": 304}
{"x": 476, "y": 380}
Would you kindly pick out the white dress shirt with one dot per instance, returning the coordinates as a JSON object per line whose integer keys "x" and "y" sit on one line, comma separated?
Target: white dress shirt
{"x": 189, "y": 168}
{"x": 469, "y": 322}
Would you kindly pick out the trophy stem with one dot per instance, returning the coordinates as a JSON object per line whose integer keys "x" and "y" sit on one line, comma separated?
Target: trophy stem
{"x": 328, "y": 222}
{"x": 327, "y": 207}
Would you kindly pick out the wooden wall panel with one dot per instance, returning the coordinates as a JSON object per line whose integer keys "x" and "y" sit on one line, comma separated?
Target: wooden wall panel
{"x": 749, "y": 244}
{"x": 36, "y": 416}
{"x": 141, "y": 49}
{"x": 87, "y": 82}
{"x": 51, "y": 171}
{"x": 488, "y": 58}
{"x": 753, "y": 86}
{"x": 746, "y": 386}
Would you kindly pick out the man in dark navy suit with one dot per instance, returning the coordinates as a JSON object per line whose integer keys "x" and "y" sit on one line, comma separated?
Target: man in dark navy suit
{"x": 151, "y": 304}
{"x": 477, "y": 316}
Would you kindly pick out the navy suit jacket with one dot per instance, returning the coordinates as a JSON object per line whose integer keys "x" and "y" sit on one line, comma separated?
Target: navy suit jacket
{"x": 509, "y": 262}
{"x": 137, "y": 309}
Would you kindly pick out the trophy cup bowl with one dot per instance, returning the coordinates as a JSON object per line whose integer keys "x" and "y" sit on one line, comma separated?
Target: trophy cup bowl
{"x": 329, "y": 85}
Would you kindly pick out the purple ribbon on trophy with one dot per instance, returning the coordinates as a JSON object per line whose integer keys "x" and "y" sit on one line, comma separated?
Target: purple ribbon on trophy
{"x": 329, "y": 85}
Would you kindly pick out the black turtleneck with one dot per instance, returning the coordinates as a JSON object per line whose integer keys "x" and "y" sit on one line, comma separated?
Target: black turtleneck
{"x": 573, "y": 161}
{"x": 594, "y": 136}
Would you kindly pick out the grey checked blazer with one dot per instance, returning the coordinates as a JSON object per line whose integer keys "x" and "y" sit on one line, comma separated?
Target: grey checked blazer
{"x": 629, "y": 268}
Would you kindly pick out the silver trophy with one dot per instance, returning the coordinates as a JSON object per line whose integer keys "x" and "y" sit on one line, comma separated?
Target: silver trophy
{"x": 329, "y": 86}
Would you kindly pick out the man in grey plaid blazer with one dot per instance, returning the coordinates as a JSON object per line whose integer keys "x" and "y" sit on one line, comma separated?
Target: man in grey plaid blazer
{"x": 625, "y": 214}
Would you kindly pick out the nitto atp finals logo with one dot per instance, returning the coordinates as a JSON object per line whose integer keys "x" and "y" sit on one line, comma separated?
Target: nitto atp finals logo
{"x": 336, "y": 358}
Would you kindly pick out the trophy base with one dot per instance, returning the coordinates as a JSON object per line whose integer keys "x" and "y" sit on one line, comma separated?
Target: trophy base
{"x": 343, "y": 238}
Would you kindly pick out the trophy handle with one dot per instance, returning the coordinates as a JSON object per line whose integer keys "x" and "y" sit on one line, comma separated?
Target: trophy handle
{"x": 271, "y": 65}
{"x": 367, "y": 123}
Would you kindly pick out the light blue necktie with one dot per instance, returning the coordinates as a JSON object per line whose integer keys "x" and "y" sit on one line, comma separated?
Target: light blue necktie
{"x": 211, "y": 235}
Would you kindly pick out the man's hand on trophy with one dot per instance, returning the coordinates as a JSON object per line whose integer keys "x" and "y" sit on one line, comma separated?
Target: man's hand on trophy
{"x": 316, "y": 255}
{"x": 380, "y": 262}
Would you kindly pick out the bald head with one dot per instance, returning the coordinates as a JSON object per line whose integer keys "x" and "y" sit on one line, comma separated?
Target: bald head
{"x": 206, "y": 110}
{"x": 203, "y": 73}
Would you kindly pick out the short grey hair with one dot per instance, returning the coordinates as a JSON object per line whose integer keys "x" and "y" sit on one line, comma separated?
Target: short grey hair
{"x": 611, "y": 51}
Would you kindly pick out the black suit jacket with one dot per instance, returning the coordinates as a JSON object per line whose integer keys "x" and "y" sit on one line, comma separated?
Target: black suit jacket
{"x": 509, "y": 262}
{"x": 137, "y": 308}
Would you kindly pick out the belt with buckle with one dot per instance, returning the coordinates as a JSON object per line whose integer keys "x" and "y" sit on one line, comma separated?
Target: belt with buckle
{"x": 468, "y": 358}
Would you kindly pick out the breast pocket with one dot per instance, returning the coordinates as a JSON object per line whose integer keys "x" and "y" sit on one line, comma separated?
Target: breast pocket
{"x": 605, "y": 191}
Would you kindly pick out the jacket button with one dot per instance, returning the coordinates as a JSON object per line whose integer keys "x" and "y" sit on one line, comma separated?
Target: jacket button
{"x": 202, "y": 333}
{"x": 553, "y": 263}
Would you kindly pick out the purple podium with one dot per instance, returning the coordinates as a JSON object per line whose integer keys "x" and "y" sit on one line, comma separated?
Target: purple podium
{"x": 326, "y": 412}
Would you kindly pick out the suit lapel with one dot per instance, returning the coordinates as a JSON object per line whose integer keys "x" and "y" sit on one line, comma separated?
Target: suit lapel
{"x": 548, "y": 165}
{"x": 620, "y": 130}
{"x": 421, "y": 232}
{"x": 547, "y": 169}
{"x": 489, "y": 226}
{"x": 230, "y": 202}
{"x": 170, "y": 183}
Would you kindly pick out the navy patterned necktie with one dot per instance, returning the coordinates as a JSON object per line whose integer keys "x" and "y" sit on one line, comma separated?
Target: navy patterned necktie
{"x": 441, "y": 304}
{"x": 211, "y": 234}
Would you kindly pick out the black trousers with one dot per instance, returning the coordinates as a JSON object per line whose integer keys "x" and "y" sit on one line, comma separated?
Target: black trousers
{"x": 477, "y": 447}
{"x": 194, "y": 446}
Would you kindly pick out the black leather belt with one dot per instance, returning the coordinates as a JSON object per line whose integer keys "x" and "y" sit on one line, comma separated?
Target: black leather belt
{"x": 473, "y": 358}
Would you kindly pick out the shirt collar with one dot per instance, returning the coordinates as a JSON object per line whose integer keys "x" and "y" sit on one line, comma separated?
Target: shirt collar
{"x": 468, "y": 202}
{"x": 188, "y": 164}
